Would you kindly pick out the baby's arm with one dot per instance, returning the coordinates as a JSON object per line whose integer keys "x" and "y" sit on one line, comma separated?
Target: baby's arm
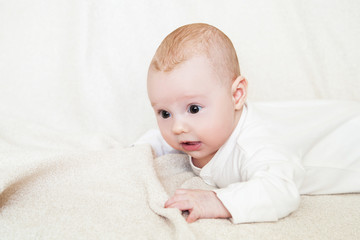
{"x": 270, "y": 189}
{"x": 199, "y": 203}
{"x": 268, "y": 192}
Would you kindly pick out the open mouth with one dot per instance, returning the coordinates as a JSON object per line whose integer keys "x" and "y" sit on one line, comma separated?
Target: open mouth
{"x": 191, "y": 146}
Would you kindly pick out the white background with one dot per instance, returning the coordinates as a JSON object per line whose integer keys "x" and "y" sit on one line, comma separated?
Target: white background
{"x": 73, "y": 73}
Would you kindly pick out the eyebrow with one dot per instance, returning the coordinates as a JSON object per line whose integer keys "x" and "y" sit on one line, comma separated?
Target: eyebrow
{"x": 188, "y": 96}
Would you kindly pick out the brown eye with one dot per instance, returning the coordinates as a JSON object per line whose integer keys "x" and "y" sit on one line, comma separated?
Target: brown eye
{"x": 193, "y": 109}
{"x": 164, "y": 114}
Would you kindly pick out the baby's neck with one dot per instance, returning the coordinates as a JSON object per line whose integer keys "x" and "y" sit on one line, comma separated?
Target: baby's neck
{"x": 200, "y": 163}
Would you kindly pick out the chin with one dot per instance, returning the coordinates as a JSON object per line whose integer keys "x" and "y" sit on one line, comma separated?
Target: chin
{"x": 199, "y": 157}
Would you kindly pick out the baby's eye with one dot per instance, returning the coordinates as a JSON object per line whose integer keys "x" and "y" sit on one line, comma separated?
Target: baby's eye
{"x": 194, "y": 109}
{"x": 164, "y": 114}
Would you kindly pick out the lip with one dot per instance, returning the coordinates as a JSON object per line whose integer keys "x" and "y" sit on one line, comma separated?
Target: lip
{"x": 191, "y": 146}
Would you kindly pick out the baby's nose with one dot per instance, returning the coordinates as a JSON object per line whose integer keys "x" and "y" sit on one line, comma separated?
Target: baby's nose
{"x": 179, "y": 127}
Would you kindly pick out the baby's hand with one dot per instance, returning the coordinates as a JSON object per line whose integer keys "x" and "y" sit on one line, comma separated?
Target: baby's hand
{"x": 199, "y": 203}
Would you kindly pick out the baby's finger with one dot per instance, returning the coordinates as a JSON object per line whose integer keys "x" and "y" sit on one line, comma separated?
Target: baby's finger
{"x": 175, "y": 198}
{"x": 182, "y": 205}
{"x": 193, "y": 216}
{"x": 171, "y": 201}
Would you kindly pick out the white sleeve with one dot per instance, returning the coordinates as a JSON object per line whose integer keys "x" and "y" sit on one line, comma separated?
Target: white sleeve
{"x": 157, "y": 142}
{"x": 269, "y": 191}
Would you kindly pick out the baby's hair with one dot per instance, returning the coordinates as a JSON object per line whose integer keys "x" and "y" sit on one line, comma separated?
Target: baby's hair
{"x": 197, "y": 39}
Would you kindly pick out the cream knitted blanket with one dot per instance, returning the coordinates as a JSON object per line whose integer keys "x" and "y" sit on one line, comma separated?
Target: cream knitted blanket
{"x": 119, "y": 194}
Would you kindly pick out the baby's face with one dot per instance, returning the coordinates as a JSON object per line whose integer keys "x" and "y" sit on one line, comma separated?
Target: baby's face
{"x": 195, "y": 111}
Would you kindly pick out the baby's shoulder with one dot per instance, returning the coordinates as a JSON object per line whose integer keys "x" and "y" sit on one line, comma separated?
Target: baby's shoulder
{"x": 261, "y": 130}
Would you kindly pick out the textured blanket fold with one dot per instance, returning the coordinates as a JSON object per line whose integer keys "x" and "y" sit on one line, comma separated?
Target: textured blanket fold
{"x": 120, "y": 193}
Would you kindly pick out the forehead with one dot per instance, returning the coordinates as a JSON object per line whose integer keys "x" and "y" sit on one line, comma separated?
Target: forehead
{"x": 190, "y": 79}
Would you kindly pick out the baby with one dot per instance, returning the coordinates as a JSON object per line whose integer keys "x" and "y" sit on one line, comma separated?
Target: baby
{"x": 261, "y": 157}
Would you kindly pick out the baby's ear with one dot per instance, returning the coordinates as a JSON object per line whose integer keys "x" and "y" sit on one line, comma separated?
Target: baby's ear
{"x": 239, "y": 92}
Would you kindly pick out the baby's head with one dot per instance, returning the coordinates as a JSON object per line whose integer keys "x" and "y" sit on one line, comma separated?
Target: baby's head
{"x": 196, "y": 90}
{"x": 198, "y": 39}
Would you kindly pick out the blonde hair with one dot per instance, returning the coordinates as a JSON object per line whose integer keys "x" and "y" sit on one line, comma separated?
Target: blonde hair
{"x": 197, "y": 39}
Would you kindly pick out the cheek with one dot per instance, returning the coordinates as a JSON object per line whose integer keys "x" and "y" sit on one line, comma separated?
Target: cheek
{"x": 164, "y": 127}
{"x": 209, "y": 125}
{"x": 217, "y": 125}
{"x": 222, "y": 115}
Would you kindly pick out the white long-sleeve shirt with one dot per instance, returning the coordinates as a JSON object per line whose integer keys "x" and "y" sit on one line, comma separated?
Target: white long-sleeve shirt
{"x": 279, "y": 151}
